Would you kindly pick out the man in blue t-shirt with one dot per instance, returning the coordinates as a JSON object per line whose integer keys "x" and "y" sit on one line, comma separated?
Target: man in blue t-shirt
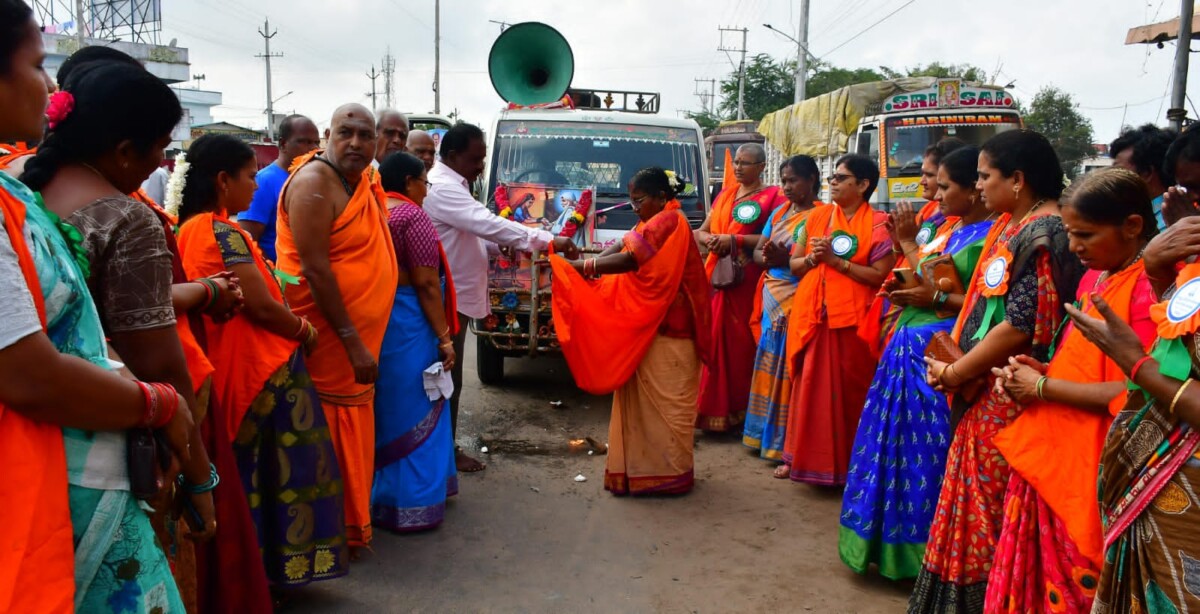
{"x": 1144, "y": 151}
{"x": 297, "y": 136}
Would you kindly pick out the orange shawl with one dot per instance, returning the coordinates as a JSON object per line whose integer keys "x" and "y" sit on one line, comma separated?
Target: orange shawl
{"x": 199, "y": 366}
{"x": 37, "y": 550}
{"x": 363, "y": 261}
{"x": 1056, "y": 447}
{"x": 606, "y": 326}
{"x": 449, "y": 297}
{"x": 244, "y": 354}
{"x": 15, "y": 152}
{"x": 756, "y": 314}
{"x": 724, "y": 223}
{"x": 973, "y": 295}
{"x": 824, "y": 292}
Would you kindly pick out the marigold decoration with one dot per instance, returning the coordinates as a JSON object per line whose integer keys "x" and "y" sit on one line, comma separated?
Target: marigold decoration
{"x": 581, "y": 212}
{"x": 60, "y": 106}
{"x": 503, "y": 208}
{"x": 174, "y": 196}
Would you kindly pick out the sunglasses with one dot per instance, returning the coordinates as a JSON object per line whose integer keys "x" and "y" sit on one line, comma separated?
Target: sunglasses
{"x": 840, "y": 177}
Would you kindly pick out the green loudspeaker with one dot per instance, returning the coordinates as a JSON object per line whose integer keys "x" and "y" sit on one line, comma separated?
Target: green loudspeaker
{"x": 531, "y": 63}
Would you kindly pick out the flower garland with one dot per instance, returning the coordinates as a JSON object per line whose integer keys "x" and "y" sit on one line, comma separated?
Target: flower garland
{"x": 174, "y": 196}
{"x": 503, "y": 208}
{"x": 576, "y": 220}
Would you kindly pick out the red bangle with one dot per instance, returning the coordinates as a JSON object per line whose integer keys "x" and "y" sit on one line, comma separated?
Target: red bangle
{"x": 169, "y": 402}
{"x": 1137, "y": 365}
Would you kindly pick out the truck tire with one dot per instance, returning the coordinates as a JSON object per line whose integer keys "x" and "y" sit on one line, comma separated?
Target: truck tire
{"x": 489, "y": 362}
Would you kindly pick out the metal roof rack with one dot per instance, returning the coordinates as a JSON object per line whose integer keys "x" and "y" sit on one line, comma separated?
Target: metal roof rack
{"x": 614, "y": 100}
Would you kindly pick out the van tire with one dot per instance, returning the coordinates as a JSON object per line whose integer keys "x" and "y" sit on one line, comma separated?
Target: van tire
{"x": 489, "y": 362}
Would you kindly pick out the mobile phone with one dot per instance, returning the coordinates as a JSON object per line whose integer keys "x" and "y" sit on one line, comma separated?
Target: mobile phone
{"x": 905, "y": 278}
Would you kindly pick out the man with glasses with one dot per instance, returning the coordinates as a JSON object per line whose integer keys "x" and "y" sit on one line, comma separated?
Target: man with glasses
{"x": 732, "y": 230}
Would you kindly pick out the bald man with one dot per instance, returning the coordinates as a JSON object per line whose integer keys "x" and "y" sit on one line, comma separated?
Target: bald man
{"x": 333, "y": 235}
{"x": 420, "y": 144}
{"x": 392, "y": 130}
{"x": 298, "y": 135}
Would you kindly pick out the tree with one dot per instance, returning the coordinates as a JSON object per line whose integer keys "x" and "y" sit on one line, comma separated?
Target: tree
{"x": 965, "y": 72}
{"x": 1055, "y": 114}
{"x": 824, "y": 78}
{"x": 770, "y": 86}
{"x": 707, "y": 120}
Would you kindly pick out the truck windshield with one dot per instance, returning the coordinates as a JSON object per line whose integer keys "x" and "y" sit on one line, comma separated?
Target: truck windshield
{"x": 907, "y": 137}
{"x": 604, "y": 155}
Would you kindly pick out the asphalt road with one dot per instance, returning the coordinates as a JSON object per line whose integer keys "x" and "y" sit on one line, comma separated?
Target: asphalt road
{"x": 524, "y": 536}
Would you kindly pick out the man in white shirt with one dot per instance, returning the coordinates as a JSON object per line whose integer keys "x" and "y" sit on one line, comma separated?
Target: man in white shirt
{"x": 465, "y": 227}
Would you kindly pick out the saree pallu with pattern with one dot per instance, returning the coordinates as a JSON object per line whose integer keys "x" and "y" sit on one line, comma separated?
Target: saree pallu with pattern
{"x": 414, "y": 457}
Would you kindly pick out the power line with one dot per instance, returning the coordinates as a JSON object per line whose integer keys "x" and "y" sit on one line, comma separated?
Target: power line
{"x": 868, "y": 28}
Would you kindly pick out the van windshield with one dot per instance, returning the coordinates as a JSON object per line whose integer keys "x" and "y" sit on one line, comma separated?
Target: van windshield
{"x": 601, "y": 154}
{"x": 907, "y": 137}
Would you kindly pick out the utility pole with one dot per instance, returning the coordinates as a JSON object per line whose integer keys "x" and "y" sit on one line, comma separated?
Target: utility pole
{"x": 802, "y": 54}
{"x": 1183, "y": 47}
{"x": 267, "y": 55}
{"x": 741, "y": 67}
{"x": 437, "y": 56}
{"x": 79, "y": 22}
{"x": 373, "y": 76}
{"x": 706, "y": 98}
{"x": 389, "y": 69}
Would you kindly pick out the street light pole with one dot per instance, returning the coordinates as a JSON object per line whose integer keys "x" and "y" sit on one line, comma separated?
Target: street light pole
{"x": 1183, "y": 47}
{"x": 802, "y": 54}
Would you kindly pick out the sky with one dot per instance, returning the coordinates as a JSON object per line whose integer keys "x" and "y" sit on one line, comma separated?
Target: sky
{"x": 329, "y": 47}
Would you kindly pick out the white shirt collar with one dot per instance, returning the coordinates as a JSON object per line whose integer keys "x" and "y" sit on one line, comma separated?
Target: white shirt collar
{"x": 441, "y": 170}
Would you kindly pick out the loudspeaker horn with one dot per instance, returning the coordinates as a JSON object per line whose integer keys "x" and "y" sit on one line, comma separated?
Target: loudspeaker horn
{"x": 531, "y": 63}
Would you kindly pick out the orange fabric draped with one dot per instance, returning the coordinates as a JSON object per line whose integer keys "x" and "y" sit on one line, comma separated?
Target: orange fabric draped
{"x": 826, "y": 293}
{"x": 723, "y": 222}
{"x": 449, "y": 297}
{"x": 363, "y": 260}
{"x": 200, "y": 368}
{"x": 929, "y": 210}
{"x": 15, "y": 152}
{"x": 776, "y": 217}
{"x": 37, "y": 550}
{"x": 245, "y": 355}
{"x": 606, "y": 326}
{"x": 972, "y": 288}
{"x": 1056, "y": 447}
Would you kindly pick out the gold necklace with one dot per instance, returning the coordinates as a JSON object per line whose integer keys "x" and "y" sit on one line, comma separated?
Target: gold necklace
{"x": 1031, "y": 210}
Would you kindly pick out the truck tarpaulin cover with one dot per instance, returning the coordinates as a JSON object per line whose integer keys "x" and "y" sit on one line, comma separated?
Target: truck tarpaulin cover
{"x": 822, "y": 126}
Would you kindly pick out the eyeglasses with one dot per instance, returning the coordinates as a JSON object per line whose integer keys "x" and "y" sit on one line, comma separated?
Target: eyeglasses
{"x": 740, "y": 163}
{"x": 638, "y": 201}
{"x": 839, "y": 177}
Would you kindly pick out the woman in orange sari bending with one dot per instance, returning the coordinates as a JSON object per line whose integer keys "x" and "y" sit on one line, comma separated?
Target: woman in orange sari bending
{"x": 842, "y": 255}
{"x": 1050, "y": 550}
{"x": 1013, "y": 306}
{"x": 734, "y": 228}
{"x": 642, "y": 330}
{"x": 265, "y": 404}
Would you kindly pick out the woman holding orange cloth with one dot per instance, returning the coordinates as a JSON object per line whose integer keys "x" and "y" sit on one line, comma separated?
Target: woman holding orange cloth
{"x": 636, "y": 320}
{"x": 733, "y": 229}
{"x": 842, "y": 255}
{"x": 414, "y": 458}
{"x": 269, "y": 409}
{"x": 770, "y": 387}
{"x": 1050, "y": 549}
{"x": 1013, "y": 306}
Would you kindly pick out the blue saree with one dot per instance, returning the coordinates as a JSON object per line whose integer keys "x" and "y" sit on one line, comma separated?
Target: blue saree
{"x": 414, "y": 451}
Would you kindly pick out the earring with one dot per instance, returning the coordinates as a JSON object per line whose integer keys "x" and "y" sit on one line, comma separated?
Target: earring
{"x": 1016, "y": 190}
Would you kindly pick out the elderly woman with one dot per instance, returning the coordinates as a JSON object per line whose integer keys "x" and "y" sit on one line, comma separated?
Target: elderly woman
{"x": 414, "y": 459}
{"x": 842, "y": 255}
{"x": 770, "y": 387}
{"x": 635, "y": 320}
{"x": 1150, "y": 464}
{"x": 733, "y": 229}
{"x": 1013, "y": 306}
{"x": 900, "y": 448}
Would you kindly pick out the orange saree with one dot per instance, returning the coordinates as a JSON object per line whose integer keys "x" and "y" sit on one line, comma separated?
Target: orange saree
{"x": 37, "y": 552}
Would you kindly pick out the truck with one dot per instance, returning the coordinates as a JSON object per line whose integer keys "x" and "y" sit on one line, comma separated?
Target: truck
{"x": 891, "y": 122}
{"x": 727, "y": 136}
{"x": 595, "y": 147}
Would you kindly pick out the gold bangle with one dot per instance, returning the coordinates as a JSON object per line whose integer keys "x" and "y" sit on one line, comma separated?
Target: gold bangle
{"x": 1178, "y": 394}
{"x": 845, "y": 266}
{"x": 938, "y": 377}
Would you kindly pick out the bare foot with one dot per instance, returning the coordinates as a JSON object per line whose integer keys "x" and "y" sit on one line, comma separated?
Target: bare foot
{"x": 356, "y": 552}
{"x": 466, "y": 464}
{"x": 782, "y": 472}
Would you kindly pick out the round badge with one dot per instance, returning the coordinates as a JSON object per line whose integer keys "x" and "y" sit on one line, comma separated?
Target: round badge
{"x": 1185, "y": 303}
{"x": 925, "y": 234}
{"x": 797, "y": 232}
{"x": 746, "y": 212}
{"x": 842, "y": 245}
{"x": 993, "y": 276}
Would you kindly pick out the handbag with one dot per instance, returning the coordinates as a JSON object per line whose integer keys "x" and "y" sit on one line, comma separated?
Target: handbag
{"x": 942, "y": 273}
{"x": 728, "y": 272}
{"x": 943, "y": 348}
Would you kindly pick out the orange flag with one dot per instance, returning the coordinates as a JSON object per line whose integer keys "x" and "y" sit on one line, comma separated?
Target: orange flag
{"x": 729, "y": 178}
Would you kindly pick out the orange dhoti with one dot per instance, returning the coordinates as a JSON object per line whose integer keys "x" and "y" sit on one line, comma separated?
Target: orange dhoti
{"x": 363, "y": 261}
